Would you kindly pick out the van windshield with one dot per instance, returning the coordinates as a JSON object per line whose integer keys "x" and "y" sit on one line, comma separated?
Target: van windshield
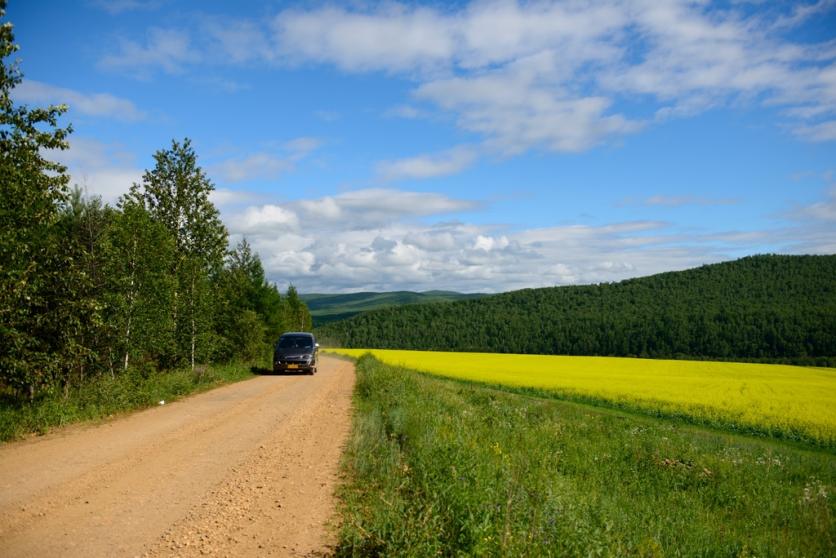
{"x": 296, "y": 342}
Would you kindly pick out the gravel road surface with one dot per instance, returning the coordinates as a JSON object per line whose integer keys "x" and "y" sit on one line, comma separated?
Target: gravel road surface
{"x": 247, "y": 469}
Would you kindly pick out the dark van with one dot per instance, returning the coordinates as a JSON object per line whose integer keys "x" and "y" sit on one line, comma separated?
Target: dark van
{"x": 295, "y": 352}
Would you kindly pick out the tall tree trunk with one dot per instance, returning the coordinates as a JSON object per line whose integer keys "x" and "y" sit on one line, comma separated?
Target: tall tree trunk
{"x": 131, "y": 298}
{"x": 193, "y": 336}
{"x": 127, "y": 344}
{"x": 193, "y": 323}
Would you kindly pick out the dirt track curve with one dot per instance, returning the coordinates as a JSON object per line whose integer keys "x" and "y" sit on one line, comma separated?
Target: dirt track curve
{"x": 247, "y": 469}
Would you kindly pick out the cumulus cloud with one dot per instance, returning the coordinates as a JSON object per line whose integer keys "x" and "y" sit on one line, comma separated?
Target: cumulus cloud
{"x": 90, "y": 104}
{"x": 266, "y": 218}
{"x": 386, "y": 239}
{"x": 354, "y": 41}
{"x": 224, "y": 197}
{"x": 379, "y": 239}
{"x": 550, "y": 75}
{"x": 98, "y": 168}
{"x": 377, "y": 206}
{"x": 466, "y": 257}
{"x": 451, "y": 161}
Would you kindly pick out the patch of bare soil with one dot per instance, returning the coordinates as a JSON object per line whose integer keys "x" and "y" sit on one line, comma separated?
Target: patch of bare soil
{"x": 248, "y": 469}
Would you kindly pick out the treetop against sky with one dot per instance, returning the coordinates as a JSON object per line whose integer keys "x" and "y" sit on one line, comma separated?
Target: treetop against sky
{"x": 475, "y": 146}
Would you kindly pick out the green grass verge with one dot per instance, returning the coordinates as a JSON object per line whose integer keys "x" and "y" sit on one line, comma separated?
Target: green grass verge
{"x": 105, "y": 396}
{"x": 438, "y": 467}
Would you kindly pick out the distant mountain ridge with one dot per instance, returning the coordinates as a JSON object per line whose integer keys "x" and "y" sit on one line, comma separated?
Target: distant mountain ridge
{"x": 771, "y": 308}
{"x": 326, "y": 308}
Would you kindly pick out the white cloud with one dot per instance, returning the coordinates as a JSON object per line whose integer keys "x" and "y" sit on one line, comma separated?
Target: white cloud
{"x": 803, "y": 12}
{"x": 465, "y": 257}
{"x": 451, "y": 161}
{"x": 413, "y": 37}
{"x": 823, "y": 211}
{"x": 377, "y": 206}
{"x": 240, "y": 41}
{"x": 168, "y": 49}
{"x": 258, "y": 166}
{"x": 386, "y": 239}
{"x": 551, "y": 74}
{"x": 364, "y": 209}
{"x": 224, "y": 197}
{"x": 404, "y": 253}
{"x": 516, "y": 111}
{"x": 98, "y": 168}
{"x": 545, "y": 74}
{"x": 263, "y": 165}
{"x": 90, "y": 104}
{"x": 265, "y": 218}
{"x": 824, "y": 131}
{"x": 323, "y": 209}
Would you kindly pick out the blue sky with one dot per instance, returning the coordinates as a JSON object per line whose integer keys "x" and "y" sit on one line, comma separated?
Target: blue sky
{"x": 474, "y": 146}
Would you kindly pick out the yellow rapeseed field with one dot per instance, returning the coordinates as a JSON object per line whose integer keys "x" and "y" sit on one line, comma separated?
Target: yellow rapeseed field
{"x": 788, "y": 401}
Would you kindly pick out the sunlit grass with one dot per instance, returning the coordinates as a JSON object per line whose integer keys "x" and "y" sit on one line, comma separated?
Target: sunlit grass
{"x": 779, "y": 400}
{"x": 105, "y": 396}
{"x": 438, "y": 467}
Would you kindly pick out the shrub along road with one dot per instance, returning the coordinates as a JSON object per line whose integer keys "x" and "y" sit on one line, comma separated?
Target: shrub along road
{"x": 245, "y": 469}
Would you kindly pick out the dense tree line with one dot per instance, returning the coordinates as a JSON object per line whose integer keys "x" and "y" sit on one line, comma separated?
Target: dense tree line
{"x": 756, "y": 308}
{"x": 89, "y": 289}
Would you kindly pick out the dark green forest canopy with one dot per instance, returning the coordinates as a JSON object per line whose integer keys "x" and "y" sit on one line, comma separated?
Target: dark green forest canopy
{"x": 761, "y": 307}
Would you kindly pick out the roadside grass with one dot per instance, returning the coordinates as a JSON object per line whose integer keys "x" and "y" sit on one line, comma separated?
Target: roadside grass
{"x": 771, "y": 400}
{"x": 440, "y": 467}
{"x": 105, "y": 396}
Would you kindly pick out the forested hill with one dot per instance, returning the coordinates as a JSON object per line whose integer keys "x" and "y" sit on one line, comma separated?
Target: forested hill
{"x": 759, "y": 307}
{"x": 331, "y": 307}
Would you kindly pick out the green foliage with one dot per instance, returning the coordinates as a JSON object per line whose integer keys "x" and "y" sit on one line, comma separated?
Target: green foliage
{"x": 101, "y": 306}
{"x": 33, "y": 263}
{"x": 176, "y": 194}
{"x": 756, "y": 308}
{"x": 250, "y": 314}
{"x": 105, "y": 396}
{"x": 327, "y": 308}
{"x": 140, "y": 289}
{"x": 438, "y": 467}
{"x": 298, "y": 315}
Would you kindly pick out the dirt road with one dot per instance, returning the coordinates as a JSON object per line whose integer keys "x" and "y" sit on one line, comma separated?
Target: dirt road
{"x": 244, "y": 470}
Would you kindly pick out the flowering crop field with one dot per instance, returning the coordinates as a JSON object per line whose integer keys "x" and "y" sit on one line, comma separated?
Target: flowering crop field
{"x": 436, "y": 467}
{"x": 778, "y": 400}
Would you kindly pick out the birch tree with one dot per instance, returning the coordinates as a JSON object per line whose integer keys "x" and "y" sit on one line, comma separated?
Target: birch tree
{"x": 176, "y": 193}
